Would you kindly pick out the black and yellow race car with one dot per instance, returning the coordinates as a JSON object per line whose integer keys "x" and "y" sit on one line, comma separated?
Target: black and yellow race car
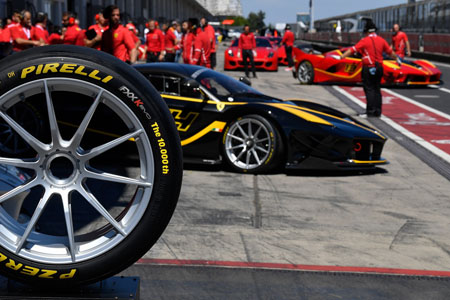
{"x": 220, "y": 119}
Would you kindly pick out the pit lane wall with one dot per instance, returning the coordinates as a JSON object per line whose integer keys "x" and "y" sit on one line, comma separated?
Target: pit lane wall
{"x": 423, "y": 45}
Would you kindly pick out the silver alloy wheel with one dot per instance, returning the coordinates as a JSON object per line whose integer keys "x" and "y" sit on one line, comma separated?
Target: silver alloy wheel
{"x": 25, "y": 239}
{"x": 248, "y": 143}
{"x": 304, "y": 73}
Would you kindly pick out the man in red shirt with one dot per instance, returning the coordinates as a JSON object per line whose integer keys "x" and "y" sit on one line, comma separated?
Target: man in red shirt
{"x": 202, "y": 49}
{"x": 155, "y": 43}
{"x": 247, "y": 43}
{"x": 71, "y": 35}
{"x": 117, "y": 39}
{"x": 21, "y": 34}
{"x": 99, "y": 27}
{"x": 170, "y": 42}
{"x": 288, "y": 42}
{"x": 371, "y": 48}
{"x": 187, "y": 42}
{"x": 212, "y": 37}
{"x": 40, "y": 32}
{"x": 400, "y": 42}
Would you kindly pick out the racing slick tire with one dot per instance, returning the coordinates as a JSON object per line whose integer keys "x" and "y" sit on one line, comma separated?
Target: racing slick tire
{"x": 305, "y": 72}
{"x": 252, "y": 144}
{"x": 95, "y": 205}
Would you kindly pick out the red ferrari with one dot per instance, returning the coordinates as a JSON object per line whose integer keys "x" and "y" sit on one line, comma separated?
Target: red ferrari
{"x": 281, "y": 52}
{"x": 312, "y": 66}
{"x": 265, "y": 56}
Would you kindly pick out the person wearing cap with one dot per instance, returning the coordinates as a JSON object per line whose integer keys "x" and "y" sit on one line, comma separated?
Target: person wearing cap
{"x": 288, "y": 42}
{"x": 400, "y": 42}
{"x": 247, "y": 43}
{"x": 117, "y": 40}
{"x": 371, "y": 47}
{"x": 170, "y": 41}
{"x": 212, "y": 37}
{"x": 155, "y": 43}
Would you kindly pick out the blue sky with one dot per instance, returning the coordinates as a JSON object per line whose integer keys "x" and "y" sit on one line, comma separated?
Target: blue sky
{"x": 284, "y": 11}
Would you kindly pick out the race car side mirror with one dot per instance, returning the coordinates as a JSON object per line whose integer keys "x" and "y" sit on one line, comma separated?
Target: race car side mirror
{"x": 245, "y": 80}
{"x": 191, "y": 83}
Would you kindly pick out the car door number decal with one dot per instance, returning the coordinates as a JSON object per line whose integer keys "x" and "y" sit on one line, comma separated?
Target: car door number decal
{"x": 350, "y": 68}
{"x": 183, "y": 120}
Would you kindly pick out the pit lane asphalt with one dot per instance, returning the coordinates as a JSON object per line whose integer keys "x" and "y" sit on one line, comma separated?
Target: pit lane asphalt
{"x": 394, "y": 217}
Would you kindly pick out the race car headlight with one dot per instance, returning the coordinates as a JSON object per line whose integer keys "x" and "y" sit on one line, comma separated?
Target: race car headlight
{"x": 230, "y": 52}
{"x": 270, "y": 54}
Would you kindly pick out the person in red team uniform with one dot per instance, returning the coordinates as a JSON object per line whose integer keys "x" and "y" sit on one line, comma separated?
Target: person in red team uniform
{"x": 21, "y": 34}
{"x": 72, "y": 35}
{"x": 202, "y": 49}
{"x": 99, "y": 27}
{"x": 400, "y": 42}
{"x": 170, "y": 42}
{"x": 188, "y": 40}
{"x": 117, "y": 40}
{"x": 212, "y": 37}
{"x": 40, "y": 32}
{"x": 288, "y": 42}
{"x": 134, "y": 35}
{"x": 371, "y": 48}
{"x": 247, "y": 44}
{"x": 155, "y": 43}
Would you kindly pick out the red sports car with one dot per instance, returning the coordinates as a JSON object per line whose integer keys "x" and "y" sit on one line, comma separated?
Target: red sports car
{"x": 265, "y": 56}
{"x": 276, "y": 44}
{"x": 312, "y": 66}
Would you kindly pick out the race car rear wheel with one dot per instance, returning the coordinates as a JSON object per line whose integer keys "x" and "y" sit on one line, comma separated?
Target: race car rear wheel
{"x": 251, "y": 144}
{"x": 305, "y": 72}
{"x": 96, "y": 200}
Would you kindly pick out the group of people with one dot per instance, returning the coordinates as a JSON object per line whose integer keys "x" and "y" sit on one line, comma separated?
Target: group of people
{"x": 192, "y": 40}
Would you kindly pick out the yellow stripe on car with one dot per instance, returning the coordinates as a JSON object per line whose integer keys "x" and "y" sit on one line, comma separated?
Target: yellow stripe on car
{"x": 214, "y": 126}
{"x": 300, "y": 113}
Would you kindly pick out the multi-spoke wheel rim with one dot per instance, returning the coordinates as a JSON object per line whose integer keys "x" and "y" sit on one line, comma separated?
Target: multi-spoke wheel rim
{"x": 304, "y": 73}
{"x": 24, "y": 239}
{"x": 248, "y": 143}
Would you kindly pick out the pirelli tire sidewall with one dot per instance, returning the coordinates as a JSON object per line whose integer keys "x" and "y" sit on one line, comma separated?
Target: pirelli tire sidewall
{"x": 150, "y": 110}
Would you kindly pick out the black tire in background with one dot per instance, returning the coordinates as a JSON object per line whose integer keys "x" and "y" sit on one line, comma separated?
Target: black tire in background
{"x": 252, "y": 144}
{"x": 61, "y": 250}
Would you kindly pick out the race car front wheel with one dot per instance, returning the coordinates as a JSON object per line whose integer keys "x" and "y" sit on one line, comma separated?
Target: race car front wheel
{"x": 251, "y": 144}
{"x": 305, "y": 72}
{"x": 101, "y": 183}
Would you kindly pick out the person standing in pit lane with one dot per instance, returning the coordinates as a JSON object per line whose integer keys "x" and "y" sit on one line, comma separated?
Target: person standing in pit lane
{"x": 202, "y": 49}
{"x": 117, "y": 40}
{"x": 247, "y": 43}
{"x": 188, "y": 40}
{"x": 212, "y": 37}
{"x": 21, "y": 34}
{"x": 40, "y": 32}
{"x": 170, "y": 42}
{"x": 288, "y": 42}
{"x": 371, "y": 48}
{"x": 155, "y": 43}
{"x": 400, "y": 42}
{"x": 72, "y": 34}
{"x": 100, "y": 26}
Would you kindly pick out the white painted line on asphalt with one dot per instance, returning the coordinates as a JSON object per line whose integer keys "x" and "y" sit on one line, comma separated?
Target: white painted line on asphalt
{"x": 435, "y": 111}
{"x": 445, "y": 90}
{"x": 440, "y": 64}
{"x": 426, "y": 96}
{"x": 445, "y": 156}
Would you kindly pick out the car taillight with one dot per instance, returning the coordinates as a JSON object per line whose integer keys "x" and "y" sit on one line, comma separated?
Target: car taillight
{"x": 357, "y": 147}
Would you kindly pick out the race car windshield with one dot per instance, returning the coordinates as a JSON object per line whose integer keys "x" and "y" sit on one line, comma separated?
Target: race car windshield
{"x": 264, "y": 43}
{"x": 223, "y": 86}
